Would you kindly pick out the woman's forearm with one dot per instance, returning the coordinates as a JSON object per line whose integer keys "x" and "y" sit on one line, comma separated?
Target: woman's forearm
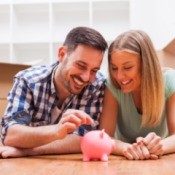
{"x": 169, "y": 144}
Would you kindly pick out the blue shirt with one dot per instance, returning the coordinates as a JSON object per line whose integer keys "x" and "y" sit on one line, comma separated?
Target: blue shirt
{"x": 33, "y": 100}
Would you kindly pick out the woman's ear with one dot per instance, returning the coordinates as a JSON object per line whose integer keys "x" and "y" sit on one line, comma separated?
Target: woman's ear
{"x": 62, "y": 51}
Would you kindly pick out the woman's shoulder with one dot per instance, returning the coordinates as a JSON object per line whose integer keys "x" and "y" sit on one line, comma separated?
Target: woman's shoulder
{"x": 117, "y": 92}
{"x": 168, "y": 75}
{"x": 111, "y": 86}
{"x": 169, "y": 81}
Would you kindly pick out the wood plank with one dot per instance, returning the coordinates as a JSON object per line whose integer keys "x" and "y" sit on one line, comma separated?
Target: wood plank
{"x": 72, "y": 164}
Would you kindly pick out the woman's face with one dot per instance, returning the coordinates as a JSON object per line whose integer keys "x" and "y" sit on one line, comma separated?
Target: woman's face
{"x": 126, "y": 70}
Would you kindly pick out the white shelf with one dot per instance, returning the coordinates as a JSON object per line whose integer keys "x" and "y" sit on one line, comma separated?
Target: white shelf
{"x": 68, "y": 15}
{"x": 32, "y": 30}
{"x": 30, "y": 1}
{"x": 31, "y": 53}
{"x": 31, "y": 23}
{"x": 5, "y": 52}
{"x": 4, "y": 23}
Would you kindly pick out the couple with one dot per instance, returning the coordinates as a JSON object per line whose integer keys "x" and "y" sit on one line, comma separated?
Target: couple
{"x": 49, "y": 108}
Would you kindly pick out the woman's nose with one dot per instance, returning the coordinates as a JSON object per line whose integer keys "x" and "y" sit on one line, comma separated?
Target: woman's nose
{"x": 120, "y": 75}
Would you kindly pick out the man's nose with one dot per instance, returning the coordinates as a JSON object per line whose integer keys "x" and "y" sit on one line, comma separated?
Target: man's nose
{"x": 85, "y": 76}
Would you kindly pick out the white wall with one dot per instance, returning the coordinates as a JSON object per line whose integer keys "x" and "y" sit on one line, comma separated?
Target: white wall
{"x": 156, "y": 17}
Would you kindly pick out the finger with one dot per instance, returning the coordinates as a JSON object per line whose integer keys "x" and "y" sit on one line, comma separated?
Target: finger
{"x": 128, "y": 155}
{"x": 153, "y": 157}
{"x": 154, "y": 142}
{"x": 70, "y": 127}
{"x": 71, "y": 118}
{"x": 156, "y": 148}
{"x": 148, "y": 138}
{"x": 145, "y": 151}
{"x": 138, "y": 151}
{"x": 84, "y": 117}
{"x": 158, "y": 152}
{"x": 5, "y": 154}
{"x": 139, "y": 139}
{"x": 133, "y": 152}
{"x": 89, "y": 121}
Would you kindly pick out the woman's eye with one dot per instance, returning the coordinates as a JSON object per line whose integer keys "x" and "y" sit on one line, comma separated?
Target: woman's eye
{"x": 127, "y": 68}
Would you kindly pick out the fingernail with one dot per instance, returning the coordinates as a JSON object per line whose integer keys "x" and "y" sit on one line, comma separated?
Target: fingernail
{"x": 95, "y": 123}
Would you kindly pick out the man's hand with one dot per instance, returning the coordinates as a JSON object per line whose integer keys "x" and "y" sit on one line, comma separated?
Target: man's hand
{"x": 8, "y": 151}
{"x": 71, "y": 120}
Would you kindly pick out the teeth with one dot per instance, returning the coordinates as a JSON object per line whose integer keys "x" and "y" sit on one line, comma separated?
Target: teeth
{"x": 78, "y": 82}
{"x": 125, "y": 82}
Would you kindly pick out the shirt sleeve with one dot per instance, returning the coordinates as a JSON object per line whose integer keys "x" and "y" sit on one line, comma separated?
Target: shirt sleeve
{"x": 19, "y": 103}
{"x": 116, "y": 92}
{"x": 169, "y": 82}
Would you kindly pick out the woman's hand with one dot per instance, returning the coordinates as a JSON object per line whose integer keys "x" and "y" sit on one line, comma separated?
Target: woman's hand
{"x": 135, "y": 151}
{"x": 153, "y": 144}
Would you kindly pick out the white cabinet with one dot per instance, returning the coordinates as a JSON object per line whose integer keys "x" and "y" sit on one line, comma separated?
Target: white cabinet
{"x": 32, "y": 30}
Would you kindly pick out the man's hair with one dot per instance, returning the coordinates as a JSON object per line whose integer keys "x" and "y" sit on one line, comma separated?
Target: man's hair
{"x": 85, "y": 36}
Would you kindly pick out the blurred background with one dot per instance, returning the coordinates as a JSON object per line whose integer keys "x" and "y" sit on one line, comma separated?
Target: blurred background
{"x": 32, "y": 30}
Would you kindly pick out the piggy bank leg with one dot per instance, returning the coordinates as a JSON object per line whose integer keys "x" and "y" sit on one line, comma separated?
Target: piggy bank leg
{"x": 104, "y": 158}
{"x": 86, "y": 158}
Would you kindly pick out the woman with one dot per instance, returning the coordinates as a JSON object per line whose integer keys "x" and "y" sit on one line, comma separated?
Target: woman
{"x": 139, "y": 103}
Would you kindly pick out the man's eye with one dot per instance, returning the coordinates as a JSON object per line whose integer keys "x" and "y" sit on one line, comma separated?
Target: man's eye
{"x": 114, "y": 68}
{"x": 81, "y": 66}
{"x": 94, "y": 71}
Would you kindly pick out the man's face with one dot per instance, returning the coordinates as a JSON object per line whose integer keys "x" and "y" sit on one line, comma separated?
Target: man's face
{"x": 78, "y": 68}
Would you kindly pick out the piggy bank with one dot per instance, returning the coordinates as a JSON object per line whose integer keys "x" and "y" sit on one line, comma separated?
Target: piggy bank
{"x": 96, "y": 145}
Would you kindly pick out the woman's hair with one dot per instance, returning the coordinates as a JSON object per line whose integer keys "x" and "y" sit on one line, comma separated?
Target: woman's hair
{"x": 152, "y": 88}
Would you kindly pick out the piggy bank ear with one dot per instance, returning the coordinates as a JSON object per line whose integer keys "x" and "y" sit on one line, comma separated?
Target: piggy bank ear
{"x": 102, "y": 133}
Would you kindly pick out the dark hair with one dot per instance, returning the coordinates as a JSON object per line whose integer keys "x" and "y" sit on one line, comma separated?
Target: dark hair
{"x": 85, "y": 36}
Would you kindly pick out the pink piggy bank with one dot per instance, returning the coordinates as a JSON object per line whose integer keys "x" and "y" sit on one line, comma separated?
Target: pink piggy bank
{"x": 96, "y": 145}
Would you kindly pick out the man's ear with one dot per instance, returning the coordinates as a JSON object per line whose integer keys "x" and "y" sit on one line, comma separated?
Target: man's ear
{"x": 62, "y": 51}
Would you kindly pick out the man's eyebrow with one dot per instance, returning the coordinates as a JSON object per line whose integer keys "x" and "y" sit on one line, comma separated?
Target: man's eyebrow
{"x": 82, "y": 62}
{"x": 85, "y": 64}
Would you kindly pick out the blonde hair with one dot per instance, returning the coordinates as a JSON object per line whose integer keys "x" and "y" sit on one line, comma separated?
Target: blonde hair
{"x": 152, "y": 88}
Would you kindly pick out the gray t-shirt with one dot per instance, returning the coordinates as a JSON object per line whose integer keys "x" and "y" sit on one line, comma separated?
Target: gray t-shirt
{"x": 129, "y": 120}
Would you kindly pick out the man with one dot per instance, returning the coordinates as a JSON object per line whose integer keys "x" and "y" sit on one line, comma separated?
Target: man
{"x": 70, "y": 90}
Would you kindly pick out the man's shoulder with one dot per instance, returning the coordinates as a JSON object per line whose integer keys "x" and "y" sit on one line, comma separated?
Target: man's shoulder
{"x": 35, "y": 73}
{"x": 98, "y": 83}
{"x": 99, "y": 79}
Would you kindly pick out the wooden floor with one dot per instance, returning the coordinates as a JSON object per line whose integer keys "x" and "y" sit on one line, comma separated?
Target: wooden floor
{"x": 73, "y": 165}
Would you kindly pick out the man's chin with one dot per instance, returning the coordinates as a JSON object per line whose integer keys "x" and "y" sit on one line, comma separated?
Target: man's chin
{"x": 76, "y": 92}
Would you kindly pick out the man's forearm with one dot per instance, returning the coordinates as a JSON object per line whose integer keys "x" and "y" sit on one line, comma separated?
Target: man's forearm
{"x": 70, "y": 144}
{"x": 29, "y": 137}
